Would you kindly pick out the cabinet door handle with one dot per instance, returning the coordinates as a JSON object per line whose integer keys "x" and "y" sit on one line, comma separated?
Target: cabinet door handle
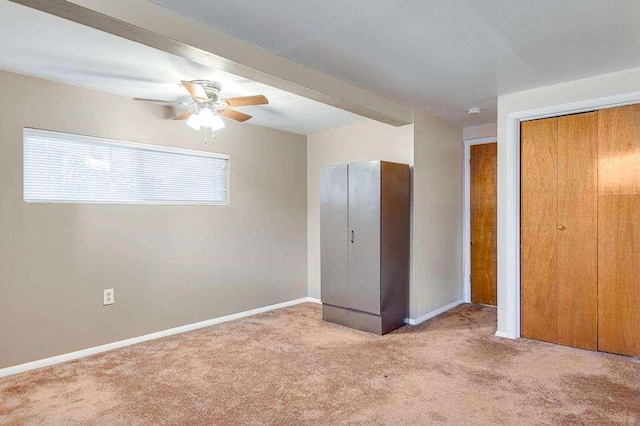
{"x": 351, "y": 236}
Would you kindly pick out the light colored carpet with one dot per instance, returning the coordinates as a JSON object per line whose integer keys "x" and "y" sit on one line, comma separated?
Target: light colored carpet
{"x": 289, "y": 367}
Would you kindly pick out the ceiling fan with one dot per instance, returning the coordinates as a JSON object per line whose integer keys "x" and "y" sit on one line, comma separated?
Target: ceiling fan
{"x": 207, "y": 107}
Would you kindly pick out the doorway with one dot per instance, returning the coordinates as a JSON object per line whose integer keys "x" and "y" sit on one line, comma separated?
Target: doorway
{"x": 509, "y": 271}
{"x": 481, "y": 221}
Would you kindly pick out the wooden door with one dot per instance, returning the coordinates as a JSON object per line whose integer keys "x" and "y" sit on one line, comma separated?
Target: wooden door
{"x": 577, "y": 239}
{"x": 538, "y": 230}
{"x": 484, "y": 223}
{"x": 559, "y": 281}
{"x": 619, "y": 230}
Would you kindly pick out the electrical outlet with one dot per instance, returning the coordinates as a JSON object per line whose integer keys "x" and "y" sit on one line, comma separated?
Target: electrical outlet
{"x": 108, "y": 297}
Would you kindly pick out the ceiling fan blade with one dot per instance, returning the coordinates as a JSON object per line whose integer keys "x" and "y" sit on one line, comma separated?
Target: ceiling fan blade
{"x": 196, "y": 91}
{"x": 184, "y": 116}
{"x": 160, "y": 101}
{"x": 247, "y": 101}
{"x": 235, "y": 115}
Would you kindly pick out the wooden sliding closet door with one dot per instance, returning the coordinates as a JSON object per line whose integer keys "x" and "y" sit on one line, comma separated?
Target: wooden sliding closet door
{"x": 619, "y": 230}
{"x": 578, "y": 230}
{"x": 538, "y": 234}
{"x": 559, "y": 230}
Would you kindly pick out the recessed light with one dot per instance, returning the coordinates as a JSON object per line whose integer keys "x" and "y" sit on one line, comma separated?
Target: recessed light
{"x": 474, "y": 110}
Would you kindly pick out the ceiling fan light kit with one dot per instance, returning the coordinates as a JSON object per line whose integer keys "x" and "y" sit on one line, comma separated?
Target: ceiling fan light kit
{"x": 205, "y": 118}
{"x": 208, "y": 108}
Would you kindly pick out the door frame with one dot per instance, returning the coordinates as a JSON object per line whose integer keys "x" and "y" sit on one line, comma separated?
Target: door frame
{"x": 509, "y": 265}
{"x": 466, "y": 220}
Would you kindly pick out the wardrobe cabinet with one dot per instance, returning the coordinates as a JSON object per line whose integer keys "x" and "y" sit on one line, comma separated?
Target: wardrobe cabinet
{"x": 580, "y": 230}
{"x": 364, "y": 244}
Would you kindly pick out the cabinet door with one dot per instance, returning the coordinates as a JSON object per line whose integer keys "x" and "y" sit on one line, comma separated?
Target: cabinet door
{"x": 334, "y": 245}
{"x": 364, "y": 246}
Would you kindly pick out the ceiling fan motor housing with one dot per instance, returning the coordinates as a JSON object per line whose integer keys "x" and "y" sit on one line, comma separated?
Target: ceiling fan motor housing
{"x": 211, "y": 88}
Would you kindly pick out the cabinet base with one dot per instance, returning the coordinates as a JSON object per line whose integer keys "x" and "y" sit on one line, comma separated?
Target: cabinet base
{"x": 359, "y": 320}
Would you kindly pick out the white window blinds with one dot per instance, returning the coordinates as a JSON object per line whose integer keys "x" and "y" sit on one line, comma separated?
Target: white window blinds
{"x": 65, "y": 168}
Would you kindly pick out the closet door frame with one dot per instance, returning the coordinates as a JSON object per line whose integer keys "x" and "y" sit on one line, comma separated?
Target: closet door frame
{"x": 509, "y": 300}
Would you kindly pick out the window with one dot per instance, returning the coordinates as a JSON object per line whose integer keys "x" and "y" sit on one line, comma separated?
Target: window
{"x": 65, "y": 168}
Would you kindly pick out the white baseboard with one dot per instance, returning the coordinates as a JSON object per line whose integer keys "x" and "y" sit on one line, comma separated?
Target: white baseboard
{"x": 314, "y": 300}
{"x": 8, "y": 371}
{"x": 504, "y": 335}
{"x": 433, "y": 313}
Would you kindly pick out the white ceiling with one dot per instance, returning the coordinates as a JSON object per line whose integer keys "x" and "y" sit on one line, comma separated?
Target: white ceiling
{"x": 441, "y": 56}
{"x": 41, "y": 45}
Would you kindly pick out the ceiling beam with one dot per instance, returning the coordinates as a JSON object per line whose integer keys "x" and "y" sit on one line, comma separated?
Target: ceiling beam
{"x": 144, "y": 22}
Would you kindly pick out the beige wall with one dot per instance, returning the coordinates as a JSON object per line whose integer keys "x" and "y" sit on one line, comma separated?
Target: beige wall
{"x": 480, "y": 132}
{"x": 560, "y": 94}
{"x": 437, "y": 215}
{"x": 365, "y": 141}
{"x": 169, "y": 265}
